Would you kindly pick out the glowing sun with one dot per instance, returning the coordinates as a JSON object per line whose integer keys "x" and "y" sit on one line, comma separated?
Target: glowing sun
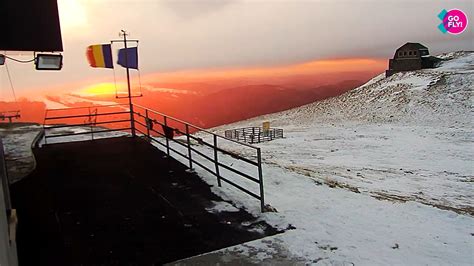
{"x": 98, "y": 89}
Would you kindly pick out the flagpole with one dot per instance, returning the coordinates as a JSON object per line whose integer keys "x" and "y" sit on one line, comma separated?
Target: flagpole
{"x": 132, "y": 120}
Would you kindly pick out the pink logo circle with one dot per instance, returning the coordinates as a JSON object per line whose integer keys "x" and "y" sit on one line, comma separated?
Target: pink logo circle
{"x": 455, "y": 21}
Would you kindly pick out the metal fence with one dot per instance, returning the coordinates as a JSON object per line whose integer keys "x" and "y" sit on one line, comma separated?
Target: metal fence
{"x": 90, "y": 121}
{"x": 175, "y": 136}
{"x": 254, "y": 134}
{"x": 167, "y": 129}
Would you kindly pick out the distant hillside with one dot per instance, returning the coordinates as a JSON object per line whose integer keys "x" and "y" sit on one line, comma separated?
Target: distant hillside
{"x": 214, "y": 102}
{"x": 249, "y": 101}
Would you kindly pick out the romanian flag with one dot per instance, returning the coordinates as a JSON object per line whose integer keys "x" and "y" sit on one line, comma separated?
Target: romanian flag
{"x": 100, "y": 55}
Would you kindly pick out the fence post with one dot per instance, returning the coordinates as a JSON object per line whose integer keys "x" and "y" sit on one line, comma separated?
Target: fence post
{"x": 132, "y": 114}
{"x": 260, "y": 178}
{"x": 166, "y": 137}
{"x": 216, "y": 162}
{"x": 147, "y": 121}
{"x": 252, "y": 138}
{"x": 189, "y": 147}
{"x": 90, "y": 122}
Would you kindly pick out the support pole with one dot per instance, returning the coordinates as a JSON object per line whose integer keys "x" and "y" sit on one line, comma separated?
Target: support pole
{"x": 147, "y": 122}
{"x": 132, "y": 119}
{"x": 166, "y": 137}
{"x": 189, "y": 147}
{"x": 90, "y": 122}
{"x": 260, "y": 179}
{"x": 217, "y": 162}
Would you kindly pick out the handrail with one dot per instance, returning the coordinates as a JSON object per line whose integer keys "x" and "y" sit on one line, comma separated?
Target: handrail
{"x": 196, "y": 127}
{"x": 89, "y": 123}
{"x": 184, "y": 149}
{"x": 85, "y": 107}
{"x": 85, "y": 115}
{"x": 212, "y": 144}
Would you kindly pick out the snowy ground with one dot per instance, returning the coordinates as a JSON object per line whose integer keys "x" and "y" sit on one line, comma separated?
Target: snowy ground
{"x": 380, "y": 175}
{"x": 338, "y": 226}
{"x": 17, "y": 140}
{"x": 407, "y": 137}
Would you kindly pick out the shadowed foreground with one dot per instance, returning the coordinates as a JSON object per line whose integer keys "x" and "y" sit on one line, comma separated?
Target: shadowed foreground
{"x": 119, "y": 202}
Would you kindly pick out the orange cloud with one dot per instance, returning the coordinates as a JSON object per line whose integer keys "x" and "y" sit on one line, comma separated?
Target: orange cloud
{"x": 307, "y": 68}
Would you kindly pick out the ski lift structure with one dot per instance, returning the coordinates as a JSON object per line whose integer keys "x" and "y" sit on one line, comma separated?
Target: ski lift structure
{"x": 9, "y": 115}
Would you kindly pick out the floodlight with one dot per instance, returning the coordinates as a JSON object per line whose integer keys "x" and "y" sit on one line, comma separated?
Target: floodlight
{"x": 49, "y": 62}
{"x": 2, "y": 59}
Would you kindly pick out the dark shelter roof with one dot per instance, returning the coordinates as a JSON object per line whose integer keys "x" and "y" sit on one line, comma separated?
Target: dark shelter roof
{"x": 30, "y": 25}
{"x": 413, "y": 45}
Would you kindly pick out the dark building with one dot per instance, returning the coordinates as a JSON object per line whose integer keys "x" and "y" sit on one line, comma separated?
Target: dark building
{"x": 411, "y": 56}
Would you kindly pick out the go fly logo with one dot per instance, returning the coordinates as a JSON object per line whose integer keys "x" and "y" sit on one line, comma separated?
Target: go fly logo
{"x": 454, "y": 21}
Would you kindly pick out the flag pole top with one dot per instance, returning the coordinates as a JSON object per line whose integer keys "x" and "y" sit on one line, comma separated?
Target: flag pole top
{"x": 123, "y": 33}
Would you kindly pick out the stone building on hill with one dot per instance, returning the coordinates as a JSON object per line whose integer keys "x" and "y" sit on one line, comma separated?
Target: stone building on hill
{"x": 410, "y": 56}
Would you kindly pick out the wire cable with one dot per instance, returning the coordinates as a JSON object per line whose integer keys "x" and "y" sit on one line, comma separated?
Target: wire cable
{"x": 20, "y": 61}
{"x": 139, "y": 83}
{"x": 11, "y": 83}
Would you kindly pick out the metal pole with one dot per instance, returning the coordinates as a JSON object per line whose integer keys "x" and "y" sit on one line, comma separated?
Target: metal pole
{"x": 216, "y": 162}
{"x": 91, "y": 125}
{"x": 147, "y": 119}
{"x": 189, "y": 147}
{"x": 166, "y": 137}
{"x": 44, "y": 126}
{"x": 132, "y": 120}
{"x": 260, "y": 178}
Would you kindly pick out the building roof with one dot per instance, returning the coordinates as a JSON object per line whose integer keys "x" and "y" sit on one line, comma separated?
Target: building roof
{"x": 414, "y": 45}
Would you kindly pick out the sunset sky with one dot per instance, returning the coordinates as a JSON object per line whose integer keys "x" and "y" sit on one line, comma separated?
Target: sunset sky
{"x": 239, "y": 37}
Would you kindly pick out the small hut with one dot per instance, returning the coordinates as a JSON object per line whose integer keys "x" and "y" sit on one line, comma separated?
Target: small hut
{"x": 410, "y": 56}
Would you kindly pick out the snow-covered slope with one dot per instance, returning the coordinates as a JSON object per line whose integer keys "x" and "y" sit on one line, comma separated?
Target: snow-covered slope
{"x": 380, "y": 175}
{"x": 439, "y": 95}
{"x": 405, "y": 137}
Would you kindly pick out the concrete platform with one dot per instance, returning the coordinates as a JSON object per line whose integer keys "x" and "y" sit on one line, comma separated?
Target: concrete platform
{"x": 120, "y": 201}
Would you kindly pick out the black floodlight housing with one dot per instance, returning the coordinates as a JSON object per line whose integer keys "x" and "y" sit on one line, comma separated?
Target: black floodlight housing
{"x": 49, "y": 61}
{"x": 2, "y": 59}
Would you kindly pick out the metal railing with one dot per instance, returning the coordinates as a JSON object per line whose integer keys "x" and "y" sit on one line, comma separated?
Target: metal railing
{"x": 254, "y": 134}
{"x": 205, "y": 149}
{"x": 92, "y": 120}
{"x": 163, "y": 129}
